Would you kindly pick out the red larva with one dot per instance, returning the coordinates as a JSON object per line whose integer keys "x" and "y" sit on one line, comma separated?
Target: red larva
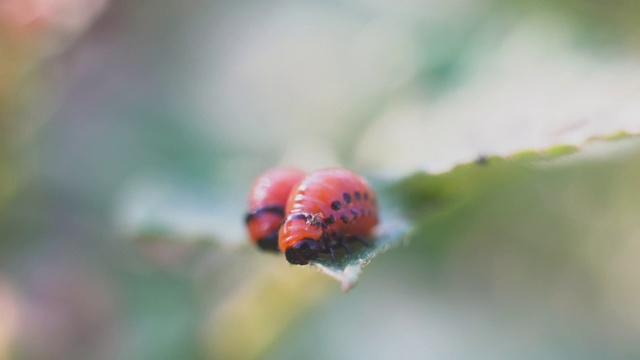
{"x": 325, "y": 210}
{"x": 267, "y": 201}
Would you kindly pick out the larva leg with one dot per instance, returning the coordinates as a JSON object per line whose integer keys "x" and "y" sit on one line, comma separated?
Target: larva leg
{"x": 343, "y": 244}
{"x": 328, "y": 246}
{"x": 333, "y": 255}
{"x": 341, "y": 241}
{"x": 360, "y": 239}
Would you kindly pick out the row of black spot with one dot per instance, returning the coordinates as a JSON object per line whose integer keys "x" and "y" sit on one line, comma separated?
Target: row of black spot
{"x": 346, "y": 219}
{"x": 336, "y": 205}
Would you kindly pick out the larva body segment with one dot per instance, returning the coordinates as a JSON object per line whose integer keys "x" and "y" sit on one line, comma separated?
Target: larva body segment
{"x": 267, "y": 201}
{"x": 325, "y": 210}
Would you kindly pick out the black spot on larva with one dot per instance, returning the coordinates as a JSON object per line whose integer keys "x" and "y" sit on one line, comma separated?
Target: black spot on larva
{"x": 324, "y": 225}
{"x": 347, "y": 198}
{"x": 336, "y": 205}
{"x": 330, "y": 220}
{"x": 357, "y": 195}
{"x": 366, "y": 195}
{"x": 354, "y": 212}
{"x": 345, "y": 219}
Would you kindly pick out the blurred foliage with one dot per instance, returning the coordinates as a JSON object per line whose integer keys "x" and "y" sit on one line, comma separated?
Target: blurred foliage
{"x": 610, "y": 25}
{"x": 423, "y": 193}
{"x": 124, "y": 121}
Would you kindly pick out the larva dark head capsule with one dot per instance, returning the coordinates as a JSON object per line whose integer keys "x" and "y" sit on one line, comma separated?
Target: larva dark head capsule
{"x": 269, "y": 242}
{"x": 302, "y": 252}
{"x": 267, "y": 201}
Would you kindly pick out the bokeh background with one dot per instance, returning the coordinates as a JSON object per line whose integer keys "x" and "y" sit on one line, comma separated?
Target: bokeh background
{"x": 130, "y": 132}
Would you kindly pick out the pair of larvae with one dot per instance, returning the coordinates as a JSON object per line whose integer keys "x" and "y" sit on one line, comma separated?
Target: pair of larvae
{"x": 306, "y": 215}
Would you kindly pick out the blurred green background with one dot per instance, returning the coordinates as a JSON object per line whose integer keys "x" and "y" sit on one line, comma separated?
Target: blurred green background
{"x": 130, "y": 132}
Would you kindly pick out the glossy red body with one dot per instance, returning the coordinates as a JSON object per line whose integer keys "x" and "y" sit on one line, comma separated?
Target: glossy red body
{"x": 328, "y": 206}
{"x": 267, "y": 202}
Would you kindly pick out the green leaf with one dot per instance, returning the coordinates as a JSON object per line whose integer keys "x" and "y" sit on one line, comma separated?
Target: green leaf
{"x": 405, "y": 205}
{"x": 347, "y": 269}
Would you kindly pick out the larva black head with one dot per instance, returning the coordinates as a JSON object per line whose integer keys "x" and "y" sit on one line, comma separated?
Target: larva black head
{"x": 303, "y": 251}
{"x": 269, "y": 242}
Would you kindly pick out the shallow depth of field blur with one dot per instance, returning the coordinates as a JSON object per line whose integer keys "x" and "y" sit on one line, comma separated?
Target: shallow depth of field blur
{"x": 131, "y": 131}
